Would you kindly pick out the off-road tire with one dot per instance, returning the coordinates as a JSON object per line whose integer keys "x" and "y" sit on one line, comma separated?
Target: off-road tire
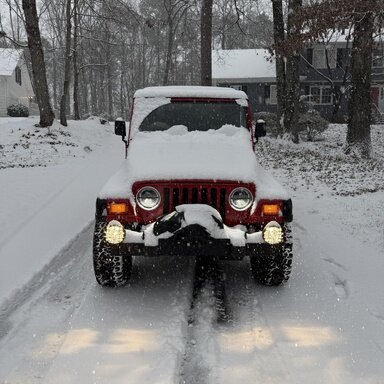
{"x": 111, "y": 270}
{"x": 273, "y": 265}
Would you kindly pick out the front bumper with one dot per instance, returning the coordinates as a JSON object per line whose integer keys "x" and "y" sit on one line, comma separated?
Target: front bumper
{"x": 192, "y": 230}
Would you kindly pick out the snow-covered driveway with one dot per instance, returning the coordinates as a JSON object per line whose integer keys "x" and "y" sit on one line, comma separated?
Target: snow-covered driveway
{"x": 179, "y": 323}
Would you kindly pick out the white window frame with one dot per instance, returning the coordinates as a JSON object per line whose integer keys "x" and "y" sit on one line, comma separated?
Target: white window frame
{"x": 377, "y": 58}
{"x": 320, "y": 95}
{"x": 273, "y": 94}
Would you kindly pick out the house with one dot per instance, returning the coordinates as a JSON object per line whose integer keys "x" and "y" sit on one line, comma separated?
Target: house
{"x": 250, "y": 70}
{"x": 324, "y": 76}
{"x": 15, "y": 83}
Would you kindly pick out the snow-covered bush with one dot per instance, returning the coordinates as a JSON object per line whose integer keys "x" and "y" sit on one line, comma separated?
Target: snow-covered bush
{"x": 18, "y": 110}
{"x": 311, "y": 125}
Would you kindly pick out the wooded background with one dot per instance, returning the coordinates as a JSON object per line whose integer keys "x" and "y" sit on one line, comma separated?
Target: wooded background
{"x": 97, "y": 53}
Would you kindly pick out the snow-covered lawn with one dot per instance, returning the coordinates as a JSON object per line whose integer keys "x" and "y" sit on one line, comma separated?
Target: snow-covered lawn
{"x": 49, "y": 184}
{"x": 325, "y": 326}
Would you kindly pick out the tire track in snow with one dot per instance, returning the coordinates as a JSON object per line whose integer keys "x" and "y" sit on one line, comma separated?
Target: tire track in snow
{"x": 228, "y": 333}
{"x": 209, "y": 307}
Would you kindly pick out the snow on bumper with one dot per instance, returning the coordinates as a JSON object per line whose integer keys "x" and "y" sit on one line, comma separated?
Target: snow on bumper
{"x": 198, "y": 225}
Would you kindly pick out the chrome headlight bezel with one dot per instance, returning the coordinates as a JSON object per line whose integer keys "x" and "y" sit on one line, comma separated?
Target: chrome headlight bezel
{"x": 156, "y": 197}
{"x": 248, "y": 199}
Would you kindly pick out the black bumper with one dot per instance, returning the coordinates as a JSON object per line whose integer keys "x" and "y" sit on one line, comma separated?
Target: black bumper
{"x": 192, "y": 241}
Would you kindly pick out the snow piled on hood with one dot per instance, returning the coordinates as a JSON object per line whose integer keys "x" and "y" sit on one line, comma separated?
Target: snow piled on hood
{"x": 176, "y": 154}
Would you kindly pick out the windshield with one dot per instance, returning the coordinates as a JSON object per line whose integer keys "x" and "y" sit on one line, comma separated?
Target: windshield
{"x": 197, "y": 116}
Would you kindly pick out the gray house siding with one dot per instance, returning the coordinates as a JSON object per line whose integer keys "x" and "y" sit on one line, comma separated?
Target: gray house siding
{"x": 257, "y": 95}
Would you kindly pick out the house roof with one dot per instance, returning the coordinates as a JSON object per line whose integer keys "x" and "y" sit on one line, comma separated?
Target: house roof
{"x": 9, "y": 58}
{"x": 243, "y": 64}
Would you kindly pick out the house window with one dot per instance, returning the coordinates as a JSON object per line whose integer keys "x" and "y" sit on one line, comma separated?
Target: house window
{"x": 321, "y": 58}
{"x": 340, "y": 57}
{"x": 270, "y": 94}
{"x": 18, "y": 75}
{"x": 377, "y": 58}
{"x": 321, "y": 95}
{"x": 273, "y": 95}
{"x": 239, "y": 87}
{"x": 309, "y": 56}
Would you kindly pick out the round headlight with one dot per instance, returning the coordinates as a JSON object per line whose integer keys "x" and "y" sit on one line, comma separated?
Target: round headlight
{"x": 114, "y": 232}
{"x": 148, "y": 198}
{"x": 240, "y": 199}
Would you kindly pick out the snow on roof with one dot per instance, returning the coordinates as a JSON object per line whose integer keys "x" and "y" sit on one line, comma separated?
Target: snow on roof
{"x": 190, "y": 91}
{"x": 243, "y": 64}
{"x": 9, "y": 58}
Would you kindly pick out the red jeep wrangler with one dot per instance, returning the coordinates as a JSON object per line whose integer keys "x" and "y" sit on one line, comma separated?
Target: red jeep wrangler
{"x": 191, "y": 185}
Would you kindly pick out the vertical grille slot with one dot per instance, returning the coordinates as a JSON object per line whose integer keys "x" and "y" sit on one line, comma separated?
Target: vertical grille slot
{"x": 176, "y": 194}
{"x": 166, "y": 201}
{"x": 185, "y": 196}
{"x": 195, "y": 195}
{"x": 223, "y": 193}
{"x": 214, "y": 198}
{"x": 204, "y": 196}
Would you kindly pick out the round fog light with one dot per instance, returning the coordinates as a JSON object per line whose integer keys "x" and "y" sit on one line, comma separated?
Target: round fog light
{"x": 272, "y": 233}
{"x": 115, "y": 232}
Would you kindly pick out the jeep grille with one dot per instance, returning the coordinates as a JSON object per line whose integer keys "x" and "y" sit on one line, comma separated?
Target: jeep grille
{"x": 213, "y": 196}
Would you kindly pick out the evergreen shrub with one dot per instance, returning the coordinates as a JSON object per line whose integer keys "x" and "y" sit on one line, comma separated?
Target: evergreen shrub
{"x": 18, "y": 110}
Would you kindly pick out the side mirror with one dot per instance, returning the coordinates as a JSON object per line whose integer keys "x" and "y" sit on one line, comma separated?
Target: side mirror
{"x": 260, "y": 130}
{"x": 120, "y": 128}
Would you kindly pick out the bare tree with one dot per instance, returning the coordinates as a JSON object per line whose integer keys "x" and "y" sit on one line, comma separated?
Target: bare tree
{"x": 364, "y": 17}
{"x": 359, "y": 106}
{"x": 292, "y": 74}
{"x": 38, "y": 63}
{"x": 287, "y": 49}
{"x": 175, "y": 11}
{"x": 279, "y": 38}
{"x": 206, "y": 42}
{"x": 67, "y": 66}
{"x": 76, "y": 106}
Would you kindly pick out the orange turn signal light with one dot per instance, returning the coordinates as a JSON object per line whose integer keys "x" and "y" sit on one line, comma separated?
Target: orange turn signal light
{"x": 117, "y": 208}
{"x": 271, "y": 209}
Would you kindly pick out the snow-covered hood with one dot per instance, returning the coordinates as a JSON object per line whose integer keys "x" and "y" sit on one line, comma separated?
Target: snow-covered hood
{"x": 175, "y": 154}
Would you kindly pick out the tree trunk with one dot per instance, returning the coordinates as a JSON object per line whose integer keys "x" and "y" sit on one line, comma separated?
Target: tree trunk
{"x": 359, "y": 106}
{"x": 291, "y": 112}
{"x": 67, "y": 68}
{"x": 76, "y": 107}
{"x": 38, "y": 64}
{"x": 206, "y": 42}
{"x": 279, "y": 37}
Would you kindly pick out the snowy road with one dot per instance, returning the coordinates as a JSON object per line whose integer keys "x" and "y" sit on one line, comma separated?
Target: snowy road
{"x": 181, "y": 324}
{"x": 320, "y": 327}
